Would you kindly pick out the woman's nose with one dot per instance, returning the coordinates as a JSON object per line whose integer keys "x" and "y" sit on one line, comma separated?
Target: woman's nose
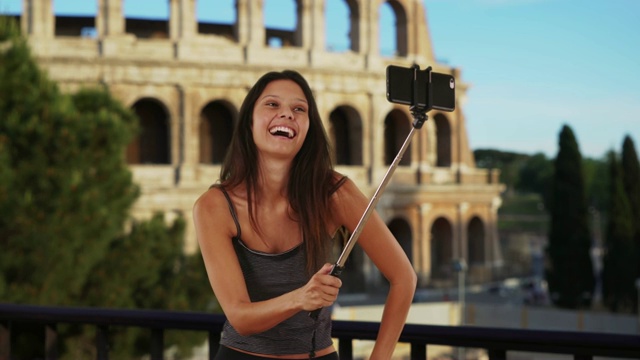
{"x": 286, "y": 114}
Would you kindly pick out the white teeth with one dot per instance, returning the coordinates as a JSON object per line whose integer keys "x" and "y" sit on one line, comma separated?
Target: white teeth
{"x": 283, "y": 130}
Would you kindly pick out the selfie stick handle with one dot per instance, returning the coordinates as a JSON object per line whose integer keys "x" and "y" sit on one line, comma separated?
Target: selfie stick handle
{"x": 419, "y": 119}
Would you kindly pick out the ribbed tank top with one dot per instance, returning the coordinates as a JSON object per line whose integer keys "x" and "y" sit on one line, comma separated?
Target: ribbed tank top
{"x": 268, "y": 276}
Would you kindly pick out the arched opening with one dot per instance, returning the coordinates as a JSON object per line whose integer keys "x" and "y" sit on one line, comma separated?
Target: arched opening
{"x": 215, "y": 131}
{"x": 341, "y": 25}
{"x": 476, "y": 242}
{"x": 401, "y": 230}
{"x": 396, "y": 130}
{"x": 151, "y": 146}
{"x": 74, "y": 18}
{"x": 393, "y": 30}
{"x": 346, "y": 134}
{"x": 146, "y": 22}
{"x": 353, "y": 276}
{"x": 217, "y": 17}
{"x": 443, "y": 139}
{"x": 282, "y": 22}
{"x": 441, "y": 249}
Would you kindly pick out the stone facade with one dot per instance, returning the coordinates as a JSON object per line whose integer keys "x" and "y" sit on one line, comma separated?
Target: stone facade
{"x": 186, "y": 81}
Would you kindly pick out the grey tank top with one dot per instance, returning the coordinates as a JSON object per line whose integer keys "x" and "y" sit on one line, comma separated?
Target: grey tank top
{"x": 268, "y": 276}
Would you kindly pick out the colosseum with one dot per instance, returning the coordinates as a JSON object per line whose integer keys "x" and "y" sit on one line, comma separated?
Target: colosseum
{"x": 186, "y": 79}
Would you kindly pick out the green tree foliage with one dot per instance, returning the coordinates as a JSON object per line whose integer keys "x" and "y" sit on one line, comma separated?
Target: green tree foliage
{"x": 535, "y": 176}
{"x": 65, "y": 196}
{"x": 569, "y": 270}
{"x": 631, "y": 183}
{"x": 619, "y": 267}
{"x": 70, "y": 189}
{"x": 509, "y": 164}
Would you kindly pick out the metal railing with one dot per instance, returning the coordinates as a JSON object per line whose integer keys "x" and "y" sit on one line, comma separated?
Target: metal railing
{"x": 497, "y": 342}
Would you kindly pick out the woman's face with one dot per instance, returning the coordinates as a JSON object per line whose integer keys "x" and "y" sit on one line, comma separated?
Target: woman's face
{"x": 280, "y": 119}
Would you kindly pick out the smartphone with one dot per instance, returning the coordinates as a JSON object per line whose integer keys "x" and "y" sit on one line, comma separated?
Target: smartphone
{"x": 433, "y": 90}
{"x": 443, "y": 92}
{"x": 400, "y": 84}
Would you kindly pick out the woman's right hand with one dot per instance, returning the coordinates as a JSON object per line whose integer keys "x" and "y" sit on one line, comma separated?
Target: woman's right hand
{"x": 321, "y": 290}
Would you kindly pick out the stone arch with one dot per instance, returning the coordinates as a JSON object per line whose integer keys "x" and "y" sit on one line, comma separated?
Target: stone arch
{"x": 400, "y": 41}
{"x": 223, "y": 21}
{"x": 476, "y": 242}
{"x": 441, "y": 248}
{"x": 151, "y": 146}
{"x": 215, "y": 130}
{"x": 142, "y": 26}
{"x": 346, "y": 135}
{"x": 81, "y": 23}
{"x": 283, "y": 36}
{"x": 345, "y": 15}
{"x": 401, "y": 230}
{"x": 443, "y": 140}
{"x": 396, "y": 129}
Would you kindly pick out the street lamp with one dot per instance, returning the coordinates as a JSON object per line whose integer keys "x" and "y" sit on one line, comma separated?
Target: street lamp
{"x": 460, "y": 266}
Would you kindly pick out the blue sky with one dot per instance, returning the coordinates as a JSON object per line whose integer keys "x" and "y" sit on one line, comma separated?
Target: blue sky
{"x": 533, "y": 65}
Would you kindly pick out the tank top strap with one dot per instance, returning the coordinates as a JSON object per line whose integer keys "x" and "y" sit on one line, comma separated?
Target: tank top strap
{"x": 232, "y": 209}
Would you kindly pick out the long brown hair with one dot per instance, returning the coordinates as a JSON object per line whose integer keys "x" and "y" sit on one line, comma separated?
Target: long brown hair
{"x": 311, "y": 178}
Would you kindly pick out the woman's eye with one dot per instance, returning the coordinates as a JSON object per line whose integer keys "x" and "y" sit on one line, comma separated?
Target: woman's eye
{"x": 271, "y": 104}
{"x": 300, "y": 109}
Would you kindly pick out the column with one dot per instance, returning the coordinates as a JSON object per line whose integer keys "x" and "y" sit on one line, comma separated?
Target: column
{"x": 37, "y": 18}
{"x": 304, "y": 27}
{"x": 182, "y": 19}
{"x": 250, "y": 26}
{"x": 316, "y": 28}
{"x": 110, "y": 18}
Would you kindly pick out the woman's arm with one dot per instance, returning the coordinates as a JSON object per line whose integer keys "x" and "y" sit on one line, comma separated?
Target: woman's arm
{"x": 383, "y": 249}
{"x": 214, "y": 229}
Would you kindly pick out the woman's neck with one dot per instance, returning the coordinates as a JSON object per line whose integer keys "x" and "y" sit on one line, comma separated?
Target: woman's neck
{"x": 273, "y": 180}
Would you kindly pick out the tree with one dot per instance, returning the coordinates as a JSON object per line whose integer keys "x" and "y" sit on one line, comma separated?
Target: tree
{"x": 619, "y": 267}
{"x": 65, "y": 197}
{"x": 509, "y": 164}
{"x": 631, "y": 184}
{"x": 70, "y": 188}
{"x": 569, "y": 269}
{"x": 535, "y": 176}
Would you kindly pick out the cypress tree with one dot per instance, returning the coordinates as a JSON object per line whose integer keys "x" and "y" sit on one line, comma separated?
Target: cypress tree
{"x": 569, "y": 269}
{"x": 618, "y": 273}
{"x": 631, "y": 183}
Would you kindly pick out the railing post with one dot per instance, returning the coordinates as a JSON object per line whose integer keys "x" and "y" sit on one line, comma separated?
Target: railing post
{"x": 5, "y": 341}
{"x": 157, "y": 344}
{"x": 214, "y": 344}
{"x": 497, "y": 354}
{"x": 102, "y": 342}
{"x": 50, "y": 342}
{"x": 345, "y": 348}
{"x": 418, "y": 351}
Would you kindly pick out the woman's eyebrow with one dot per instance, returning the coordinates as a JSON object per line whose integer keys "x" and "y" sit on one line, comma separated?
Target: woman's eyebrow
{"x": 278, "y": 97}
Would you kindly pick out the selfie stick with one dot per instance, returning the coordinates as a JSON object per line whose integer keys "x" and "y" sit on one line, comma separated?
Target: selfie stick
{"x": 419, "y": 113}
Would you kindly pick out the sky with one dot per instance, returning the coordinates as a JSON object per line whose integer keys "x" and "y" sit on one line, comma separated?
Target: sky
{"x": 532, "y": 65}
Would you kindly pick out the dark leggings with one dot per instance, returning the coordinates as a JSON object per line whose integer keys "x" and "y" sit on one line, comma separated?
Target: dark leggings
{"x": 225, "y": 353}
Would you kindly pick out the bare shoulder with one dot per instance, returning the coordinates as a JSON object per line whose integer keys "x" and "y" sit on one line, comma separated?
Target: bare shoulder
{"x": 347, "y": 191}
{"x": 211, "y": 212}
{"x": 210, "y": 201}
{"x": 347, "y": 201}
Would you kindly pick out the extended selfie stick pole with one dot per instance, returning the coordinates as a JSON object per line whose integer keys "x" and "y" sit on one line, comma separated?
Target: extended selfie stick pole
{"x": 419, "y": 116}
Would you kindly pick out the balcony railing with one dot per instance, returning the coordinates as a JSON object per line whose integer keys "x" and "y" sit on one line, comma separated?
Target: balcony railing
{"x": 497, "y": 342}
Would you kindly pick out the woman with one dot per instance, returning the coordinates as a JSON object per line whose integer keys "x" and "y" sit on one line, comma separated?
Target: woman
{"x": 265, "y": 232}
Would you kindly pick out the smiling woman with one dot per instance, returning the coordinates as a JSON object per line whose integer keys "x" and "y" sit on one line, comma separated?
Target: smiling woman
{"x": 266, "y": 229}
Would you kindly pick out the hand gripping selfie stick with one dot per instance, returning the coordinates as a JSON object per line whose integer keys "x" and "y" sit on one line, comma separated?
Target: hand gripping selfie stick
{"x": 420, "y": 104}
